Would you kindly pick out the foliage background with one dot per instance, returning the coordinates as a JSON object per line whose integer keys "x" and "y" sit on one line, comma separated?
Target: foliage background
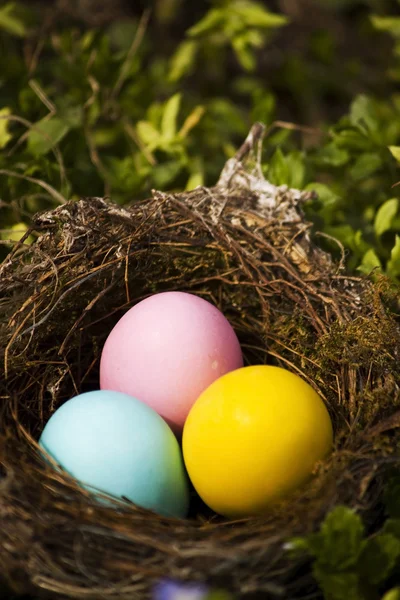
{"x": 117, "y": 98}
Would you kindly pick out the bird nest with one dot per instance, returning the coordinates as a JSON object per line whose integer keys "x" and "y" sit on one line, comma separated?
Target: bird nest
{"x": 245, "y": 246}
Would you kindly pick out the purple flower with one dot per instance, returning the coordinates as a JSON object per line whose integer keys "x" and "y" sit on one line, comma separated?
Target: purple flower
{"x": 175, "y": 590}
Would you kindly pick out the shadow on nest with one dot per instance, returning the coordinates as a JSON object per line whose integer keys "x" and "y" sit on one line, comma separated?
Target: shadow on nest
{"x": 245, "y": 246}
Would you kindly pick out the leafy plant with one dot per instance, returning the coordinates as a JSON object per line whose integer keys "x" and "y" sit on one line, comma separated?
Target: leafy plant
{"x": 353, "y": 171}
{"x": 347, "y": 564}
{"x": 244, "y": 25}
{"x": 106, "y": 112}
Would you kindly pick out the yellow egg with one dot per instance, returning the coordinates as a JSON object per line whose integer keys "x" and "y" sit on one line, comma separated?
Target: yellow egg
{"x": 252, "y": 437}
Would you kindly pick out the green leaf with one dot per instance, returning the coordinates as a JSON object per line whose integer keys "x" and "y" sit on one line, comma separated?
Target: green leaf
{"x": 5, "y": 136}
{"x": 213, "y": 20}
{"x": 287, "y": 170}
{"x": 344, "y": 233}
{"x": 337, "y": 548}
{"x": 338, "y": 544}
{"x": 89, "y": 37}
{"x": 393, "y": 594}
{"x": 148, "y": 133}
{"x": 191, "y": 121}
{"x": 278, "y": 171}
{"x": 395, "y": 150}
{"x": 332, "y": 155}
{"x": 351, "y": 139}
{"x": 226, "y": 116}
{"x": 363, "y": 113}
{"x": 236, "y": 17}
{"x": 263, "y": 106}
{"x": 393, "y": 264}
{"x": 365, "y": 165}
{"x": 324, "y": 193}
{"x": 255, "y": 15}
{"x": 385, "y": 215}
{"x": 370, "y": 262}
{"x": 195, "y": 180}
{"x": 105, "y": 136}
{"x": 359, "y": 246}
{"x": 296, "y": 168}
{"x": 183, "y": 60}
{"x": 339, "y": 586}
{"x": 169, "y": 117}
{"x": 196, "y": 168}
{"x": 392, "y": 526}
{"x": 47, "y": 133}
{"x": 73, "y": 116}
{"x": 298, "y": 546}
{"x": 378, "y": 557}
{"x": 10, "y": 22}
{"x": 164, "y": 173}
{"x": 389, "y": 24}
{"x": 124, "y": 177}
{"x": 245, "y": 54}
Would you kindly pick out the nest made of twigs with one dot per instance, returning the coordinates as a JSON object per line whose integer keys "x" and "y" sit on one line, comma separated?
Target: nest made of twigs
{"x": 245, "y": 246}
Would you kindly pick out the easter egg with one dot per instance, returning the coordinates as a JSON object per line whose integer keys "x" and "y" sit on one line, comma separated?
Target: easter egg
{"x": 166, "y": 350}
{"x": 252, "y": 437}
{"x": 116, "y": 444}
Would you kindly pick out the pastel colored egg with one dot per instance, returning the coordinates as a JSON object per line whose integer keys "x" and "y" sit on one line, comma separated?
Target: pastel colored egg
{"x": 116, "y": 444}
{"x": 253, "y": 437}
{"x": 166, "y": 350}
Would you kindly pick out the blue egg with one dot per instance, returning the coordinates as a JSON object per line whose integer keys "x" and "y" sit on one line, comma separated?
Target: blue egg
{"x": 115, "y": 443}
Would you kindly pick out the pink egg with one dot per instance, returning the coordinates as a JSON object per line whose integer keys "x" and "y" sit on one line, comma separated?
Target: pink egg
{"x": 166, "y": 350}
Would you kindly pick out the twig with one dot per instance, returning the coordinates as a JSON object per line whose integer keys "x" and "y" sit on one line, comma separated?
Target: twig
{"x": 131, "y": 53}
{"x": 53, "y": 192}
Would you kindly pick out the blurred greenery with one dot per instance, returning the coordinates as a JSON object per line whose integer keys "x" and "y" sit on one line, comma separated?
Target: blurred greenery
{"x": 159, "y": 100}
{"x": 350, "y": 564}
